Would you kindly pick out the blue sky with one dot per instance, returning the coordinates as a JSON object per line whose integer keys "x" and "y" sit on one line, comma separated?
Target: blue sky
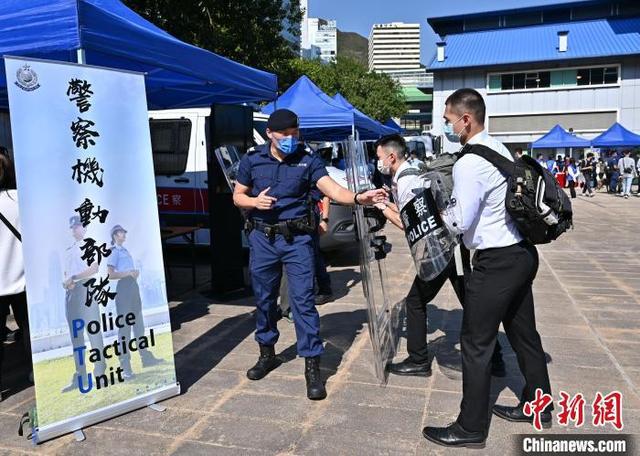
{"x": 359, "y": 15}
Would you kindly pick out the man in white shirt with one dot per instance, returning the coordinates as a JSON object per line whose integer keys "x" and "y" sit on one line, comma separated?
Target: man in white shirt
{"x": 499, "y": 287}
{"x": 627, "y": 168}
{"x": 391, "y": 152}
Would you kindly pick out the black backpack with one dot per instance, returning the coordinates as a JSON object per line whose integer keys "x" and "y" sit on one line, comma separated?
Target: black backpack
{"x": 538, "y": 205}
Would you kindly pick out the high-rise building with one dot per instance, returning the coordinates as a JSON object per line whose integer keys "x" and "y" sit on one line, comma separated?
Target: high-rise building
{"x": 324, "y": 35}
{"x": 318, "y": 37}
{"x": 394, "y": 47}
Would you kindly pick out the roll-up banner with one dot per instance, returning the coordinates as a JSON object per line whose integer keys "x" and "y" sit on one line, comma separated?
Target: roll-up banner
{"x": 98, "y": 312}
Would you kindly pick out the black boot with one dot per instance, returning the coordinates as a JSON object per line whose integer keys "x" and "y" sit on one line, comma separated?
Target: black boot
{"x": 266, "y": 363}
{"x": 315, "y": 387}
{"x": 148, "y": 360}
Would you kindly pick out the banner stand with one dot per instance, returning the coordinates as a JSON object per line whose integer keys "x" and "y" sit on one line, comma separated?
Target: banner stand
{"x": 77, "y": 423}
{"x": 100, "y": 329}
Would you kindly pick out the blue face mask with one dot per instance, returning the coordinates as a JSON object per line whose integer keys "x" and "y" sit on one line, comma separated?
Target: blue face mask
{"x": 287, "y": 145}
{"x": 447, "y": 129}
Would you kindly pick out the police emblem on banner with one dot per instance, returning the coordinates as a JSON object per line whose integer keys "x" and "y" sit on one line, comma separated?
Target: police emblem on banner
{"x": 27, "y": 79}
{"x": 420, "y": 217}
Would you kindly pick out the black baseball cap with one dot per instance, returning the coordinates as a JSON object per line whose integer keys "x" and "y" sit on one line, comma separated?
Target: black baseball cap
{"x": 281, "y": 119}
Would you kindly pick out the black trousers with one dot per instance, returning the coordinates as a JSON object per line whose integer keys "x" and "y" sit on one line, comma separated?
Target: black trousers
{"x": 128, "y": 300}
{"x": 76, "y": 309}
{"x": 421, "y": 294}
{"x": 18, "y": 303}
{"x": 572, "y": 188}
{"x": 499, "y": 290}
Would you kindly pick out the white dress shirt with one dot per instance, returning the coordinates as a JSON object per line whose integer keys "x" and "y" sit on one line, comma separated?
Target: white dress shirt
{"x": 11, "y": 263}
{"x": 74, "y": 265}
{"x": 402, "y": 188}
{"x": 479, "y": 192}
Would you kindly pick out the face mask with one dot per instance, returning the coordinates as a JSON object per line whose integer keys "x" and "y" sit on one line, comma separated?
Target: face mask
{"x": 449, "y": 133}
{"x": 287, "y": 145}
{"x": 386, "y": 170}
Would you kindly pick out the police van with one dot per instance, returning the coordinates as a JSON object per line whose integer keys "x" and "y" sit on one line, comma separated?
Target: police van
{"x": 180, "y": 145}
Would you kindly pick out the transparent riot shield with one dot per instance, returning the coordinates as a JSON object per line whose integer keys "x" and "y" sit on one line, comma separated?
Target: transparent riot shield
{"x": 430, "y": 241}
{"x": 384, "y": 317}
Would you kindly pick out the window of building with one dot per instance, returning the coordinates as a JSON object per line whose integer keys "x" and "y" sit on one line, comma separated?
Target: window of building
{"x": 553, "y": 78}
{"x": 170, "y": 145}
{"x": 556, "y": 15}
{"x": 522, "y": 19}
{"x": 519, "y": 81}
{"x": 591, "y": 12}
{"x": 482, "y": 23}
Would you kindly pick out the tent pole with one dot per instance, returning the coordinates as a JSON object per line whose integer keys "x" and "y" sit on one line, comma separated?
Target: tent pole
{"x": 81, "y": 57}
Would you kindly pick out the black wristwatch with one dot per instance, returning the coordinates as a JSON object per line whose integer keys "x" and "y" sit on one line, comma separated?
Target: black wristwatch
{"x": 325, "y": 219}
{"x": 355, "y": 197}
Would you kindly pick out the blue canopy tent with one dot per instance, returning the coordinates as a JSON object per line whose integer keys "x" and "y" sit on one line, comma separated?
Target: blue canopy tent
{"x": 616, "y": 136}
{"x": 321, "y": 117}
{"x": 107, "y": 33}
{"x": 384, "y": 130}
{"x": 558, "y": 137}
{"x": 393, "y": 125}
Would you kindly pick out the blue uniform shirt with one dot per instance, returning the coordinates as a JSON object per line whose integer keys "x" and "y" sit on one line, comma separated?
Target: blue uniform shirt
{"x": 291, "y": 181}
{"x": 120, "y": 259}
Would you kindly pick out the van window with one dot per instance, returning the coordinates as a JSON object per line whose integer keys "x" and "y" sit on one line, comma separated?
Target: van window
{"x": 170, "y": 145}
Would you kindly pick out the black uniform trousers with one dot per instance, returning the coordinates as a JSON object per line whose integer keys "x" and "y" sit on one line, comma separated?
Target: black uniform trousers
{"x": 128, "y": 300}
{"x": 421, "y": 294}
{"x": 77, "y": 309}
{"x": 499, "y": 290}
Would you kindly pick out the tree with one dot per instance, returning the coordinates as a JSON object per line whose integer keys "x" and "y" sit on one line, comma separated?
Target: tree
{"x": 375, "y": 94}
{"x": 247, "y": 31}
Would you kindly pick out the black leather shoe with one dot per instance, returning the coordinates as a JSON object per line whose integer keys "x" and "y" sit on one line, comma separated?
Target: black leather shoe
{"x": 73, "y": 384}
{"x": 408, "y": 367}
{"x": 498, "y": 368}
{"x": 315, "y": 388}
{"x": 148, "y": 360}
{"x": 516, "y": 414}
{"x": 454, "y": 436}
{"x": 267, "y": 362}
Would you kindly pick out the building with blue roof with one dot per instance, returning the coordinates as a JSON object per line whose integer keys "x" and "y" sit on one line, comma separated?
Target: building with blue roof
{"x": 574, "y": 64}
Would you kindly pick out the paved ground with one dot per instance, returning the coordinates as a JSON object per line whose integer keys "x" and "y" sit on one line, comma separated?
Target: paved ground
{"x": 588, "y": 314}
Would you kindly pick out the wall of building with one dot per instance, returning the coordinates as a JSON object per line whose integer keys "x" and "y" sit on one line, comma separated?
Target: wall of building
{"x": 594, "y": 108}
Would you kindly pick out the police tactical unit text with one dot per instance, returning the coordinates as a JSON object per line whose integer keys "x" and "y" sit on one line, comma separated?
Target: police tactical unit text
{"x": 119, "y": 347}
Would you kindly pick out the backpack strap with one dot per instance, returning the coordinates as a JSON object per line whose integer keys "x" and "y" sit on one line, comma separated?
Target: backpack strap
{"x": 503, "y": 164}
{"x": 12, "y": 228}
{"x": 410, "y": 172}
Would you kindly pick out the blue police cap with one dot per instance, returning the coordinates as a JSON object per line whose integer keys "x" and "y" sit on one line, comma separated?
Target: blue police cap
{"x": 281, "y": 119}
{"x": 74, "y": 221}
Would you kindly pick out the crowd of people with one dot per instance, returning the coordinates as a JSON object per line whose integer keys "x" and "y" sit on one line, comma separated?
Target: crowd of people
{"x": 613, "y": 171}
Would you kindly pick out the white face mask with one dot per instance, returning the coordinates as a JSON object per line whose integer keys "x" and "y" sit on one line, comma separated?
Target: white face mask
{"x": 386, "y": 170}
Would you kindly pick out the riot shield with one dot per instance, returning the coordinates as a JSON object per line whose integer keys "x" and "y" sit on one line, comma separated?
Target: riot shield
{"x": 430, "y": 241}
{"x": 384, "y": 317}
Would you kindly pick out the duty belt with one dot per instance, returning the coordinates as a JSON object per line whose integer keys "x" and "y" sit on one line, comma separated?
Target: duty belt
{"x": 287, "y": 228}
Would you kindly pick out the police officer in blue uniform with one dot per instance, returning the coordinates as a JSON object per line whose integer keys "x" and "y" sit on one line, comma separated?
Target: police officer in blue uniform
{"x": 121, "y": 268}
{"x": 274, "y": 184}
